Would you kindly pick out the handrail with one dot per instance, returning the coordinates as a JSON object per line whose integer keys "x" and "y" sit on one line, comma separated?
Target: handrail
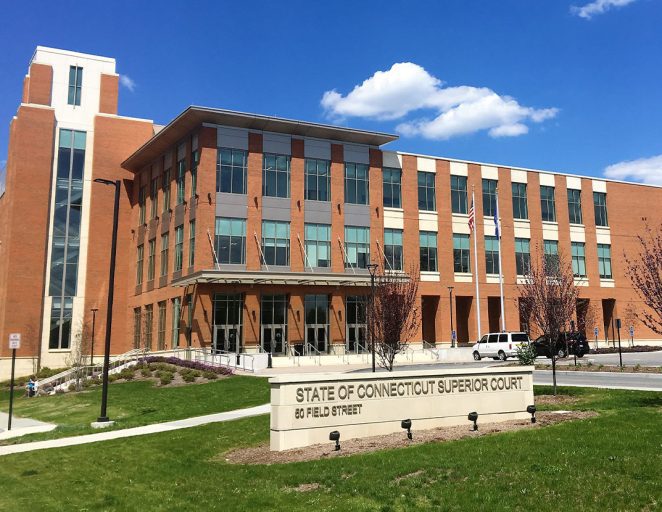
{"x": 259, "y": 246}
{"x": 342, "y": 246}
{"x": 319, "y": 354}
{"x": 432, "y": 349}
{"x": 305, "y": 254}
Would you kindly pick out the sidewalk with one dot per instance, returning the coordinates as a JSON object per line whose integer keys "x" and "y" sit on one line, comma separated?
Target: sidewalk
{"x": 137, "y": 431}
{"x": 22, "y": 426}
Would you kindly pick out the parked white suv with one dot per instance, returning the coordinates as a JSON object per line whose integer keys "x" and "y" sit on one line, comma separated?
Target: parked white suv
{"x": 499, "y": 345}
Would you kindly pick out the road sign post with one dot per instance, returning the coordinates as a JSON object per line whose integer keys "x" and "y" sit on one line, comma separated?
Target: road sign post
{"x": 618, "y": 328}
{"x": 14, "y": 344}
{"x": 596, "y": 331}
{"x": 632, "y": 335}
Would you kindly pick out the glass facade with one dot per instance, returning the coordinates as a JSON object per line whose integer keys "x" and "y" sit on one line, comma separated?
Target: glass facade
{"x": 275, "y": 175}
{"x": 426, "y": 196}
{"x": 393, "y": 249}
{"x": 231, "y": 171}
{"x": 428, "y": 251}
{"x": 356, "y": 183}
{"x": 230, "y": 241}
{"x": 317, "y": 242}
{"x": 357, "y": 246}
{"x": 392, "y": 184}
{"x": 547, "y": 204}
{"x": 318, "y": 180}
{"x": 276, "y": 242}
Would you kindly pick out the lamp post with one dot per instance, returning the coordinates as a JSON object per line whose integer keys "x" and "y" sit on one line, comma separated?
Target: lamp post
{"x": 103, "y": 417}
{"x": 372, "y": 267}
{"x": 94, "y": 318}
{"x": 450, "y": 303}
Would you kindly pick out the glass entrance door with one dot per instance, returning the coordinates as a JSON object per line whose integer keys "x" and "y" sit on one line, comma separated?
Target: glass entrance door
{"x": 317, "y": 323}
{"x": 273, "y": 320}
{"x": 227, "y": 323}
{"x": 225, "y": 339}
{"x": 357, "y": 340}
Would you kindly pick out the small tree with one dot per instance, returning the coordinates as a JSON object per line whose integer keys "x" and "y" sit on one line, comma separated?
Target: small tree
{"x": 77, "y": 358}
{"x": 550, "y": 292}
{"x": 394, "y": 315}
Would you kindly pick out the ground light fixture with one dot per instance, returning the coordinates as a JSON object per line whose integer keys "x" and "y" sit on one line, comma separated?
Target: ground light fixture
{"x": 473, "y": 416}
{"x": 406, "y": 424}
{"x": 335, "y": 436}
{"x": 531, "y": 409}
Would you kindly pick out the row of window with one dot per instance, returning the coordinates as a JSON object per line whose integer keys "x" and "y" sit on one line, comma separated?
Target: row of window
{"x": 143, "y": 323}
{"x": 165, "y": 250}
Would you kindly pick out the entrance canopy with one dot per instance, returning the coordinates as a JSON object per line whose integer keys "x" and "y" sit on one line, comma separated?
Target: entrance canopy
{"x": 273, "y": 278}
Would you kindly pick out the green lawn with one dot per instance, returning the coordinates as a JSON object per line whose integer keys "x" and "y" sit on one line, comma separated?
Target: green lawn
{"x": 132, "y": 404}
{"x": 609, "y": 462}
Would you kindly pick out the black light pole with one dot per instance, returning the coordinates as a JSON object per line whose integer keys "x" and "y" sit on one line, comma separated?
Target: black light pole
{"x": 103, "y": 417}
{"x": 372, "y": 267}
{"x": 618, "y": 327}
{"x": 94, "y": 319}
{"x": 450, "y": 303}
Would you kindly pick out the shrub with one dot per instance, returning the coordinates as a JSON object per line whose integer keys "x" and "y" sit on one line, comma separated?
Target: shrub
{"x": 165, "y": 377}
{"x": 188, "y": 377}
{"x": 88, "y": 383}
{"x": 72, "y": 387}
{"x": 526, "y": 354}
{"x": 127, "y": 374}
{"x": 196, "y": 365}
{"x": 209, "y": 375}
{"x": 146, "y": 372}
{"x": 113, "y": 377}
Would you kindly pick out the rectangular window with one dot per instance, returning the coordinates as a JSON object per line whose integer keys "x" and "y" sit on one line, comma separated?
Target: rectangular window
{"x": 276, "y": 242}
{"x": 142, "y": 204}
{"x": 166, "y": 190}
{"x": 461, "y": 253}
{"x": 600, "y": 205}
{"x": 428, "y": 251}
{"x": 318, "y": 244}
{"x": 547, "y": 204}
{"x": 426, "y": 194}
{"x": 356, "y": 183}
{"x": 147, "y": 331}
{"x": 491, "y": 254}
{"x": 392, "y": 188}
{"x": 231, "y": 167}
{"x": 551, "y": 252}
{"x": 75, "y": 85}
{"x": 154, "y": 198}
{"x": 137, "y": 326}
{"x": 489, "y": 197}
{"x": 179, "y": 248}
{"x": 176, "y": 312}
{"x": 230, "y": 241}
{"x": 520, "y": 204}
{"x": 61, "y": 313}
{"x": 161, "y": 335}
{"x": 195, "y": 160}
{"x": 357, "y": 246}
{"x": 575, "y": 206}
{"x": 275, "y": 175}
{"x": 151, "y": 257}
{"x": 459, "y": 194}
{"x": 165, "y": 242}
{"x": 522, "y": 255}
{"x": 181, "y": 183}
{"x": 393, "y": 249}
{"x": 318, "y": 180}
{"x": 578, "y": 259}
{"x": 139, "y": 264}
{"x": 191, "y": 243}
{"x": 604, "y": 261}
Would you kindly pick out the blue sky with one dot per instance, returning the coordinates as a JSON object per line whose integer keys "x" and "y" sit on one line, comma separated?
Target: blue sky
{"x": 558, "y": 85}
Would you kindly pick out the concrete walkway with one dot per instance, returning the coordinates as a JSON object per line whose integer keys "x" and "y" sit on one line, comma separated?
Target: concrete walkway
{"x": 22, "y": 426}
{"x": 137, "y": 431}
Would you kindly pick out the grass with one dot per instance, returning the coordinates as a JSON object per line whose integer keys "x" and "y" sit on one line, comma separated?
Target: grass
{"x": 133, "y": 404}
{"x": 609, "y": 462}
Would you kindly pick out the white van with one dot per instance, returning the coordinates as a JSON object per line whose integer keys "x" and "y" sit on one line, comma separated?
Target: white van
{"x": 499, "y": 345}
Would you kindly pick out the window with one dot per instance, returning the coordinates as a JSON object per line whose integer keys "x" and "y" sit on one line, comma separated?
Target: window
{"x": 604, "y": 261}
{"x": 357, "y": 247}
{"x": 61, "y": 313}
{"x": 575, "y": 206}
{"x": 392, "y": 188}
{"x": 230, "y": 241}
{"x": 275, "y": 175}
{"x": 578, "y": 259}
{"x": 393, "y": 249}
{"x": 151, "y": 257}
{"x": 489, "y": 197}
{"x": 179, "y": 248}
{"x": 426, "y": 195}
{"x": 142, "y": 204}
{"x": 551, "y": 252}
{"x": 166, "y": 190}
{"x": 356, "y": 306}
{"x": 154, "y": 198}
{"x": 195, "y": 159}
{"x": 137, "y": 325}
{"x": 160, "y": 339}
{"x": 600, "y": 205}
{"x": 75, "y": 85}
{"x": 356, "y": 183}
{"x": 491, "y": 254}
{"x": 461, "y": 253}
{"x": 318, "y": 180}
{"x": 231, "y": 171}
{"x": 317, "y": 240}
{"x": 176, "y": 312}
{"x": 149, "y": 320}
{"x": 428, "y": 250}
{"x": 181, "y": 184}
{"x": 547, "y": 204}
{"x": 458, "y": 194}
{"x": 191, "y": 243}
{"x": 520, "y": 205}
{"x": 276, "y": 242}
{"x": 139, "y": 264}
{"x": 522, "y": 256}
{"x": 165, "y": 241}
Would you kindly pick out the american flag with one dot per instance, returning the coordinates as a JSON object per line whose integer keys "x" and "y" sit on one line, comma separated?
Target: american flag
{"x": 472, "y": 216}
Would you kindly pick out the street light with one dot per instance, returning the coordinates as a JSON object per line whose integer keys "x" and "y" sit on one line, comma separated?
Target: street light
{"x": 450, "y": 303}
{"x": 94, "y": 318}
{"x": 103, "y": 417}
{"x": 372, "y": 267}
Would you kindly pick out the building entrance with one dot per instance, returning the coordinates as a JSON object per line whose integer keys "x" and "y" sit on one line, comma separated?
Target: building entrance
{"x": 273, "y": 314}
{"x": 227, "y": 322}
{"x": 357, "y": 327}
{"x": 317, "y": 323}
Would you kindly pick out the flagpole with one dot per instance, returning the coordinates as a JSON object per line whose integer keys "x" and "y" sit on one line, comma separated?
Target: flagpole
{"x": 473, "y": 205}
{"x": 498, "y": 233}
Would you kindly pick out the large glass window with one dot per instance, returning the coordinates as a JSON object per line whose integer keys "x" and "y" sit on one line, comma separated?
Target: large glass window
{"x": 151, "y": 257}
{"x": 191, "y": 243}
{"x": 356, "y": 323}
{"x": 179, "y": 248}
{"x": 161, "y": 333}
{"x": 428, "y": 251}
{"x": 318, "y": 180}
{"x": 604, "y": 261}
{"x": 75, "y": 85}
{"x": 392, "y": 188}
{"x": 137, "y": 327}
{"x": 228, "y": 309}
{"x": 165, "y": 242}
{"x": 426, "y": 195}
{"x": 522, "y": 256}
{"x": 356, "y": 183}
{"x": 461, "y": 260}
{"x": 600, "y": 205}
{"x": 489, "y": 197}
{"x": 547, "y": 204}
{"x": 318, "y": 244}
{"x": 393, "y": 249}
{"x": 276, "y": 242}
{"x": 176, "y": 313}
{"x": 230, "y": 241}
{"x": 520, "y": 203}
{"x": 317, "y": 321}
{"x": 140, "y": 254}
{"x": 357, "y": 246}
{"x": 578, "y": 259}
{"x": 551, "y": 252}
{"x": 147, "y": 331}
{"x": 458, "y": 194}
{"x": 491, "y": 255}
{"x": 231, "y": 170}
{"x": 142, "y": 204}
{"x": 575, "y": 206}
{"x": 181, "y": 177}
{"x": 166, "y": 190}
{"x": 276, "y": 175}
{"x": 61, "y": 313}
{"x": 154, "y": 198}
{"x": 195, "y": 160}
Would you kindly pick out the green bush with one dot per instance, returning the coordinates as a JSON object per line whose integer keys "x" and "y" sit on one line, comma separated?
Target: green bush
{"x": 165, "y": 377}
{"x": 188, "y": 377}
{"x": 526, "y": 354}
{"x": 113, "y": 377}
{"x": 72, "y": 387}
{"x": 146, "y": 372}
{"x": 88, "y": 383}
{"x": 127, "y": 374}
{"x": 210, "y": 375}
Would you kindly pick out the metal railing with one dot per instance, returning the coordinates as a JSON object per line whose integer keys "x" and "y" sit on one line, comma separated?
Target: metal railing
{"x": 431, "y": 349}
{"x": 313, "y": 353}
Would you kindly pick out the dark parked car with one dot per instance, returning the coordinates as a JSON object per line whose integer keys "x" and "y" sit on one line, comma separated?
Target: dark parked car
{"x": 573, "y": 343}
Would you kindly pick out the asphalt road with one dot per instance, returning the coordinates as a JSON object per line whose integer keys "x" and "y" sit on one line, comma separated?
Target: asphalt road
{"x": 642, "y": 381}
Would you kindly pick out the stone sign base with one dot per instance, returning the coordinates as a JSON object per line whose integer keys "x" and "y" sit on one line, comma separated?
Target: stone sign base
{"x": 306, "y": 408}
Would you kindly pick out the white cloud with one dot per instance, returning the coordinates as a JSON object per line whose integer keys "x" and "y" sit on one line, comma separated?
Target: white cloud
{"x": 408, "y": 87}
{"x": 127, "y": 82}
{"x": 644, "y": 170}
{"x": 597, "y": 7}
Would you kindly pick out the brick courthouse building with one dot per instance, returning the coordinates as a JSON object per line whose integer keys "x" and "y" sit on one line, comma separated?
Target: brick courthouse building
{"x": 245, "y": 232}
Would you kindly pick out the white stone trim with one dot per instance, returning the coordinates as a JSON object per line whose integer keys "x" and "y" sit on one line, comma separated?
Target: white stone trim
{"x": 550, "y": 231}
{"x": 463, "y": 277}
{"x": 607, "y": 283}
{"x": 428, "y": 221}
{"x": 461, "y": 224}
{"x": 394, "y": 218}
{"x": 459, "y": 168}
{"x": 603, "y": 235}
{"x": 489, "y": 172}
{"x": 522, "y": 228}
{"x": 426, "y": 164}
{"x": 599, "y": 186}
{"x": 577, "y": 233}
{"x": 547, "y": 180}
{"x": 429, "y": 276}
{"x": 517, "y": 176}
{"x": 573, "y": 183}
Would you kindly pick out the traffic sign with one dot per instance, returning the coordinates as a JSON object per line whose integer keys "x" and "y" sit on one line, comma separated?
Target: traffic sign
{"x": 596, "y": 331}
{"x": 632, "y": 330}
{"x": 454, "y": 335}
{"x": 14, "y": 341}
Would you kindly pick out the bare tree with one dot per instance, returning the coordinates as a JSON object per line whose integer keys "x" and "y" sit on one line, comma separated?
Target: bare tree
{"x": 78, "y": 356}
{"x": 394, "y": 315}
{"x": 550, "y": 292}
{"x": 644, "y": 269}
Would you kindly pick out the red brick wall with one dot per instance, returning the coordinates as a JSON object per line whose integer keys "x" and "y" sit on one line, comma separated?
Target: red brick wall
{"x": 108, "y": 94}
{"x": 40, "y": 84}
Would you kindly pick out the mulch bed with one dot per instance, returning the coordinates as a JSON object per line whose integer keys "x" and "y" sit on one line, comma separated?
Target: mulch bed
{"x": 583, "y": 367}
{"x": 262, "y": 455}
